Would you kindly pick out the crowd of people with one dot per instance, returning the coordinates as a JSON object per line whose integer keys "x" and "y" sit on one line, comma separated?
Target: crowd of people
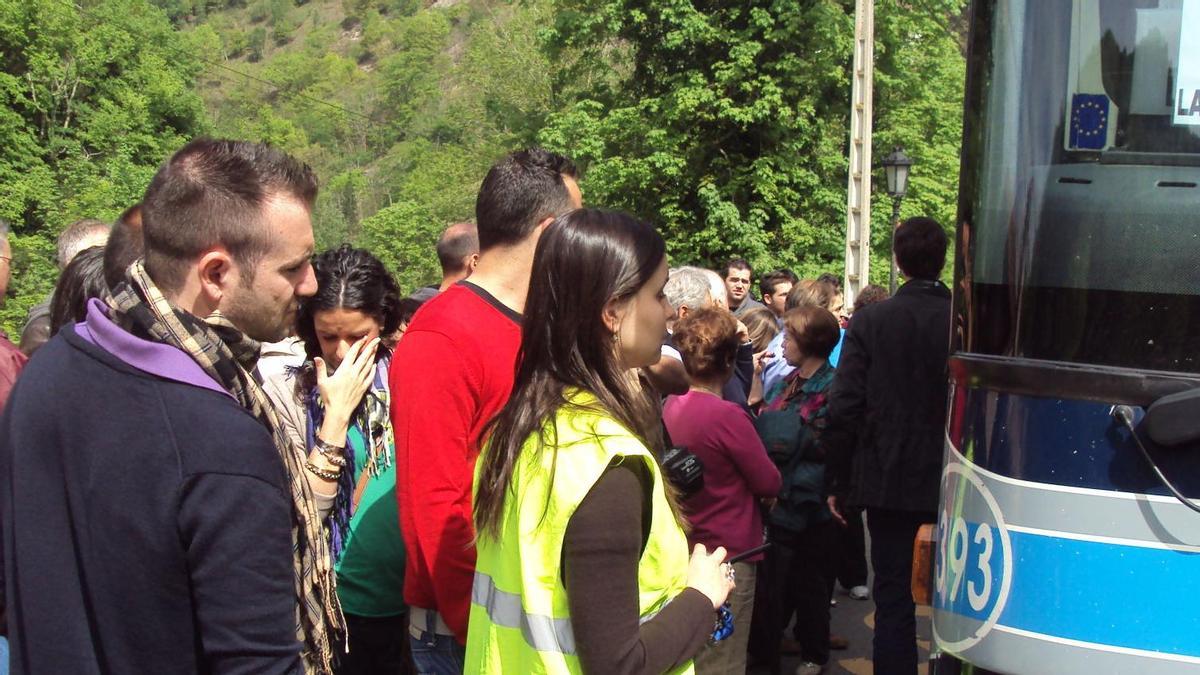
{"x": 224, "y": 452}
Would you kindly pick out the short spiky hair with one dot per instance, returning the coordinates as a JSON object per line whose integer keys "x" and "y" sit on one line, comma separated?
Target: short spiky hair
{"x": 769, "y": 282}
{"x": 210, "y": 193}
{"x": 520, "y": 191}
{"x": 456, "y": 243}
{"x": 736, "y": 264}
{"x": 125, "y": 245}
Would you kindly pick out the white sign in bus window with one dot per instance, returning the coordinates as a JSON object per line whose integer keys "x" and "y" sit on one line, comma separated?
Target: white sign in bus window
{"x": 1187, "y": 96}
{"x": 1154, "y": 61}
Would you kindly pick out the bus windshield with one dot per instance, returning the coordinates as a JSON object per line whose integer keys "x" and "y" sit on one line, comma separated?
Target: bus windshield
{"x": 1080, "y": 200}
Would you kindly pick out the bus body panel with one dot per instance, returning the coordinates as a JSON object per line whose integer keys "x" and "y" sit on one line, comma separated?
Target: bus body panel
{"x": 1054, "y": 554}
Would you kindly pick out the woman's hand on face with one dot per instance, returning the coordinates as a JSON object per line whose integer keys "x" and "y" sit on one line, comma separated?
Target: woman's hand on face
{"x": 708, "y": 574}
{"x": 342, "y": 391}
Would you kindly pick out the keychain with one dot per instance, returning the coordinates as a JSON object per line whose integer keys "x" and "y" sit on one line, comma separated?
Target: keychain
{"x": 723, "y": 627}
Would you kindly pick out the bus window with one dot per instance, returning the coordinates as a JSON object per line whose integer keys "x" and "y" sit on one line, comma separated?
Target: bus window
{"x": 1080, "y": 198}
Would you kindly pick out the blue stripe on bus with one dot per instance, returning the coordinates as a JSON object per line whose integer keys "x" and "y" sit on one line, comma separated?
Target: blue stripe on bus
{"x": 1103, "y": 593}
{"x": 1063, "y": 442}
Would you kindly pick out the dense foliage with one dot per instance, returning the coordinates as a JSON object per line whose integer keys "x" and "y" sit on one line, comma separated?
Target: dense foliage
{"x": 92, "y": 101}
{"x": 728, "y": 123}
{"x": 724, "y": 123}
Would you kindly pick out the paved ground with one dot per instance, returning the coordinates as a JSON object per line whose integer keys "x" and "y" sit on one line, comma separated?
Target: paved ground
{"x": 855, "y": 620}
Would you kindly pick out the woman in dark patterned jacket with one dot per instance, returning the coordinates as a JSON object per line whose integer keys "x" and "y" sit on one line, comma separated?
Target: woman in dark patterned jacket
{"x": 800, "y": 527}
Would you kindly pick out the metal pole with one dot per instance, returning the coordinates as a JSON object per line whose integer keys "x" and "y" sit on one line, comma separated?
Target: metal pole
{"x": 895, "y": 224}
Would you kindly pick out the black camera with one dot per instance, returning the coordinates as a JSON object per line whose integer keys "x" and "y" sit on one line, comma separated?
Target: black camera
{"x": 684, "y": 470}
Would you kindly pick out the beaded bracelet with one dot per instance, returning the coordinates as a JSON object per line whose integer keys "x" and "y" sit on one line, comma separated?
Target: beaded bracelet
{"x": 331, "y": 453}
{"x": 321, "y": 473}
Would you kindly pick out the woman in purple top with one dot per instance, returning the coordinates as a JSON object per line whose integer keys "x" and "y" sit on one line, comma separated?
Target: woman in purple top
{"x": 738, "y": 475}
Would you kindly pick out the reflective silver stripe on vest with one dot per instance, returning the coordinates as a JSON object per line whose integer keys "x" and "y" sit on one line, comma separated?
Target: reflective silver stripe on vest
{"x": 543, "y": 633}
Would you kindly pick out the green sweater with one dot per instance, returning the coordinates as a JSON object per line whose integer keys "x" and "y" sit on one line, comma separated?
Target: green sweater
{"x": 370, "y": 573}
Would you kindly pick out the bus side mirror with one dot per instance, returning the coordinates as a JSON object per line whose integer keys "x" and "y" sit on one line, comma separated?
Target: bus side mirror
{"x": 1175, "y": 419}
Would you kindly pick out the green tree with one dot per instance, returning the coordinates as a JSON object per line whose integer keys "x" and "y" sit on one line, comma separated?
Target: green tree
{"x": 93, "y": 100}
{"x": 404, "y": 236}
{"x": 260, "y": 11}
{"x": 919, "y": 79}
{"x": 726, "y": 123}
{"x": 283, "y": 21}
{"x": 256, "y": 42}
{"x": 723, "y": 126}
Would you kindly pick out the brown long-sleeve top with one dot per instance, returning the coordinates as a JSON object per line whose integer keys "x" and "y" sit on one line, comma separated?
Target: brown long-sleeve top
{"x": 603, "y": 544}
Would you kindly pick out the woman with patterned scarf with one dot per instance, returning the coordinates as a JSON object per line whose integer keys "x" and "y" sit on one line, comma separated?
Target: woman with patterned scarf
{"x": 334, "y": 409}
{"x": 800, "y": 525}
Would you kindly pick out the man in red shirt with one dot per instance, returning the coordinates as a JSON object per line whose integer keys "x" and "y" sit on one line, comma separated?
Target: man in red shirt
{"x": 449, "y": 375}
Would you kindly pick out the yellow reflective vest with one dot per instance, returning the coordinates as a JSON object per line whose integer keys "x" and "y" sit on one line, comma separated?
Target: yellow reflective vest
{"x": 520, "y": 622}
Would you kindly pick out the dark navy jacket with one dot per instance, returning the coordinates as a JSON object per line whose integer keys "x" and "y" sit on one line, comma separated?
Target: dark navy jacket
{"x": 144, "y": 516}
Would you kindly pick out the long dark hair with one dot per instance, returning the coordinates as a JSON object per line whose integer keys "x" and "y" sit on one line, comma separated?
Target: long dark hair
{"x": 350, "y": 278}
{"x": 584, "y": 259}
{"x": 82, "y": 280}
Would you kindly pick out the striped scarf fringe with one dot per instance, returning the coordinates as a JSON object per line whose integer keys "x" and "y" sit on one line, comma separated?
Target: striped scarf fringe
{"x": 373, "y": 420}
{"x": 228, "y": 356}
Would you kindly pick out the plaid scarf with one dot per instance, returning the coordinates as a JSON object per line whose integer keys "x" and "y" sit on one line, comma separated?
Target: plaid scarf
{"x": 228, "y": 356}
{"x": 372, "y": 419}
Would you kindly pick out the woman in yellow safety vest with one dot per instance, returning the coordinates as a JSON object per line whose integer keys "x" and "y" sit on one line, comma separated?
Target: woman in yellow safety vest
{"x": 583, "y": 563}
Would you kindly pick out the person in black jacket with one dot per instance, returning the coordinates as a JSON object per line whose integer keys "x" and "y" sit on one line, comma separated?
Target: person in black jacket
{"x": 887, "y": 419}
{"x": 150, "y": 521}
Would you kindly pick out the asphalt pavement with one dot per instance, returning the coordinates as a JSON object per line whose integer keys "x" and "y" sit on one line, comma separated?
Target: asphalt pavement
{"x": 855, "y": 621}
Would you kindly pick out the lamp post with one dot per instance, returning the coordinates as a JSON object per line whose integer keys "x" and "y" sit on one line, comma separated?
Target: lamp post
{"x": 895, "y": 169}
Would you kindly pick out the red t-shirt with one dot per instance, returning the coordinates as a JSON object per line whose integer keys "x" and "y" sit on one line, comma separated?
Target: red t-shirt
{"x": 452, "y": 372}
{"x": 12, "y": 361}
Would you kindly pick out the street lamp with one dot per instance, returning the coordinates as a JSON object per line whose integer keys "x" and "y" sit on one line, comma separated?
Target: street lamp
{"x": 895, "y": 168}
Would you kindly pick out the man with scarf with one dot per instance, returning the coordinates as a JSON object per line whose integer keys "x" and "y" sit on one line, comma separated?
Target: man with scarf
{"x": 152, "y": 518}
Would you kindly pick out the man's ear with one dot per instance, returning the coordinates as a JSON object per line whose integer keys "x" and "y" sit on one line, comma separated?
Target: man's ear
{"x": 472, "y": 261}
{"x": 613, "y": 314}
{"x": 217, "y": 271}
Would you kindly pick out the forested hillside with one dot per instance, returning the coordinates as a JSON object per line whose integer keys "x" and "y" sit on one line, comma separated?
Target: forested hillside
{"x": 724, "y": 123}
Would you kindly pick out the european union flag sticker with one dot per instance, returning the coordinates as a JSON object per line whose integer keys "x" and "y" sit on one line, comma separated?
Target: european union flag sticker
{"x": 1089, "y": 121}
